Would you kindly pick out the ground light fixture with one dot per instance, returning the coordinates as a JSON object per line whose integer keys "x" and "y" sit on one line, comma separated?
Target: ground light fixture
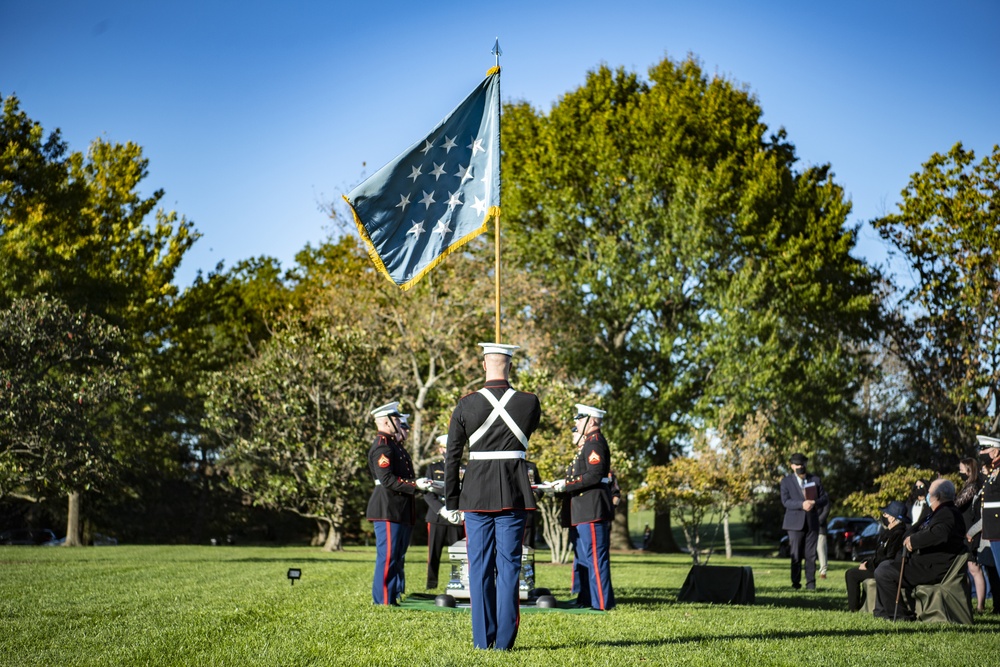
{"x": 293, "y": 574}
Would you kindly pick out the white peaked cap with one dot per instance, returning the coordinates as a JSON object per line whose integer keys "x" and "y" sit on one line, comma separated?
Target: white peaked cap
{"x": 442, "y": 439}
{"x": 589, "y": 411}
{"x": 498, "y": 348}
{"x": 985, "y": 441}
{"x": 386, "y": 410}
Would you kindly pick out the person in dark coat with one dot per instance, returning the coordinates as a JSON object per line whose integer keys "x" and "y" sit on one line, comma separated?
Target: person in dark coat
{"x": 989, "y": 456}
{"x": 895, "y": 521}
{"x": 917, "y": 505}
{"x": 803, "y": 497}
{"x": 441, "y": 532}
{"x": 588, "y": 487}
{"x": 391, "y": 509}
{"x": 929, "y": 551}
{"x": 495, "y": 495}
{"x": 530, "y": 525}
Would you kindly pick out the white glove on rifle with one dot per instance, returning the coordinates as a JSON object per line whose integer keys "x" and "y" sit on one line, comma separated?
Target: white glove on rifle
{"x": 424, "y": 484}
{"x": 559, "y": 485}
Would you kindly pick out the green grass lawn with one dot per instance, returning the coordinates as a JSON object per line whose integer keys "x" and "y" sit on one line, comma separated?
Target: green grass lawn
{"x": 168, "y": 605}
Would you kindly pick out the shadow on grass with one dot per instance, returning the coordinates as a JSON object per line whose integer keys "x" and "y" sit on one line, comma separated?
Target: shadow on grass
{"x": 888, "y": 626}
{"x": 286, "y": 560}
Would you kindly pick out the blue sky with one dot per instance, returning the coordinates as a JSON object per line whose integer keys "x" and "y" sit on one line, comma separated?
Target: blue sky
{"x": 253, "y": 113}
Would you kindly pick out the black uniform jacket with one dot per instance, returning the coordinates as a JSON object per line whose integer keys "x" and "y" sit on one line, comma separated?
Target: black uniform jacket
{"x": 589, "y": 496}
{"x": 991, "y": 508}
{"x": 490, "y": 485}
{"x": 890, "y": 543}
{"x": 939, "y": 541}
{"x": 391, "y": 466}
{"x": 433, "y": 498}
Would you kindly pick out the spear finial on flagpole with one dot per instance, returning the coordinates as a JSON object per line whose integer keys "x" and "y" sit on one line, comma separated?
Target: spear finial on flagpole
{"x": 496, "y": 224}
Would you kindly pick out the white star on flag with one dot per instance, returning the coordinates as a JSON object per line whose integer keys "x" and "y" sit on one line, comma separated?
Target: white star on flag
{"x": 414, "y": 173}
{"x": 403, "y": 202}
{"x": 427, "y": 200}
{"x": 442, "y": 227}
{"x": 449, "y": 143}
{"x": 480, "y": 206}
{"x": 417, "y": 229}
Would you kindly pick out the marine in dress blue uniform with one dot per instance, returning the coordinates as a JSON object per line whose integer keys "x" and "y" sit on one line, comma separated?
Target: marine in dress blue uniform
{"x": 495, "y": 495}
{"x": 989, "y": 456}
{"x": 591, "y": 510}
{"x": 391, "y": 505}
{"x": 441, "y": 532}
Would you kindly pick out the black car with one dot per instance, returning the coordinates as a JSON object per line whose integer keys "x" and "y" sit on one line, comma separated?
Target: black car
{"x": 27, "y": 536}
{"x": 840, "y": 532}
{"x": 866, "y": 542}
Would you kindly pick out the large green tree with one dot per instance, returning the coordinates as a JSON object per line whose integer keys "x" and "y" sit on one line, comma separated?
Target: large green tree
{"x": 62, "y": 388}
{"x": 947, "y": 229}
{"x": 295, "y": 420}
{"x": 76, "y": 227}
{"x": 687, "y": 266}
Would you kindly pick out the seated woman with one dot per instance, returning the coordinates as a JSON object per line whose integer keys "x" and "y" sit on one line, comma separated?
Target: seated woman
{"x": 895, "y": 519}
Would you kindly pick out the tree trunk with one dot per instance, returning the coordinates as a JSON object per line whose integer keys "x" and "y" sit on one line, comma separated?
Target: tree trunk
{"x": 663, "y": 537}
{"x": 73, "y": 521}
{"x": 333, "y": 540}
{"x": 335, "y": 527}
{"x": 320, "y": 536}
{"x": 553, "y": 532}
{"x": 725, "y": 533}
{"x": 620, "y": 537}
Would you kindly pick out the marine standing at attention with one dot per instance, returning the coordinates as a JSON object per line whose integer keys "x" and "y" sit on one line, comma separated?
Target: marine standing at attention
{"x": 495, "y": 422}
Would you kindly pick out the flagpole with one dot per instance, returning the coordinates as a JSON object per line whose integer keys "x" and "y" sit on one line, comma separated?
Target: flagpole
{"x": 496, "y": 53}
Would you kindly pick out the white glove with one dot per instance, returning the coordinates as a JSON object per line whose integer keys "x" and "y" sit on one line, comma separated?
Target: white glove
{"x": 424, "y": 484}
{"x": 453, "y": 516}
{"x": 559, "y": 486}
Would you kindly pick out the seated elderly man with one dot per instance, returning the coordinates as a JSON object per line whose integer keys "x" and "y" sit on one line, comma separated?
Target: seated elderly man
{"x": 928, "y": 550}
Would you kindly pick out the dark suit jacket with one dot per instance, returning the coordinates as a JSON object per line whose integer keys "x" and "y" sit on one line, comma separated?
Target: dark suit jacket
{"x": 792, "y": 498}
{"x": 938, "y": 542}
{"x": 890, "y": 543}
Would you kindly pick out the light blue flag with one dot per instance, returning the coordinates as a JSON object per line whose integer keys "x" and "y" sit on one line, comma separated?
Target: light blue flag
{"x": 438, "y": 194}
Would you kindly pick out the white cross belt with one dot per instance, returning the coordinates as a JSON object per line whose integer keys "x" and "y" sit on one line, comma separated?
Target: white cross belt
{"x": 992, "y": 504}
{"x": 482, "y": 456}
{"x": 499, "y": 412}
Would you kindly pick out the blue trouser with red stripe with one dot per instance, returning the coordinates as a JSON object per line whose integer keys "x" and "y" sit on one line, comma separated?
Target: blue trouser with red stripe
{"x": 391, "y": 541}
{"x": 493, "y": 543}
{"x": 592, "y": 565}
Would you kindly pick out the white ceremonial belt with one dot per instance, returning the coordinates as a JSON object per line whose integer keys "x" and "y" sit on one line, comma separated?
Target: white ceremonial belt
{"x": 378, "y": 483}
{"x": 482, "y": 456}
{"x": 992, "y": 504}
